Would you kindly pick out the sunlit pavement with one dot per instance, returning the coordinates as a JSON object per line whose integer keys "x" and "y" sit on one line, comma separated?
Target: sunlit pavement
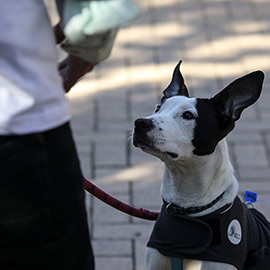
{"x": 217, "y": 40}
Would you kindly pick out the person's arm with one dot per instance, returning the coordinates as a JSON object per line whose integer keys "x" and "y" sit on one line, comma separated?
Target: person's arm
{"x": 72, "y": 68}
{"x": 87, "y": 31}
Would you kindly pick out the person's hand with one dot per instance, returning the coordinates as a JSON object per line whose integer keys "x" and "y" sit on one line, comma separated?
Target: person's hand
{"x": 72, "y": 68}
{"x": 58, "y": 33}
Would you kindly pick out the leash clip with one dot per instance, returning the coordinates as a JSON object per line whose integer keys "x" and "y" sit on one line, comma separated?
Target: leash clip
{"x": 169, "y": 211}
{"x": 172, "y": 209}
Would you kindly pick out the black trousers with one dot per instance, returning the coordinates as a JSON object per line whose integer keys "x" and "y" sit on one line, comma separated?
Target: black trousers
{"x": 43, "y": 223}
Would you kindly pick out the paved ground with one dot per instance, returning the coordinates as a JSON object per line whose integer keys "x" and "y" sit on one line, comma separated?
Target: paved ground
{"x": 218, "y": 41}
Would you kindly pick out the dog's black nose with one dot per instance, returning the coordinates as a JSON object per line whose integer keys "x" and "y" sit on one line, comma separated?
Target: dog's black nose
{"x": 143, "y": 124}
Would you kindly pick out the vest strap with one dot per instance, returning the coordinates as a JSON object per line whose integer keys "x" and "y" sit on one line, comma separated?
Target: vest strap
{"x": 177, "y": 263}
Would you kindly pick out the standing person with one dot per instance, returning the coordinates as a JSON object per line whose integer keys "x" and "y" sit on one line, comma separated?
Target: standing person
{"x": 43, "y": 222}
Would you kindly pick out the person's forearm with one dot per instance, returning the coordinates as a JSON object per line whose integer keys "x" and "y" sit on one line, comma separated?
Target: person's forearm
{"x": 59, "y": 34}
{"x": 72, "y": 68}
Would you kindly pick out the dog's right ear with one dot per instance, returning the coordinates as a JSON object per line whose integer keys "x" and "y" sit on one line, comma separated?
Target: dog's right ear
{"x": 177, "y": 86}
{"x": 237, "y": 96}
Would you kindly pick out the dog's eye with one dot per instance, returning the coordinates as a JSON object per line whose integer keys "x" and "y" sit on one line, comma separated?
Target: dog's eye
{"x": 188, "y": 115}
{"x": 157, "y": 108}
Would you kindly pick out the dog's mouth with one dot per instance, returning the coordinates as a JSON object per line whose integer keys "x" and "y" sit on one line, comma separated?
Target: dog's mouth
{"x": 142, "y": 141}
{"x": 172, "y": 155}
{"x": 145, "y": 144}
{"x": 157, "y": 152}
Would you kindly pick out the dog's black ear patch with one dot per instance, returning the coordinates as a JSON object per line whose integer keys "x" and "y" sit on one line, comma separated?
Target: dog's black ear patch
{"x": 177, "y": 85}
{"x": 217, "y": 116}
{"x": 237, "y": 96}
{"x": 208, "y": 129}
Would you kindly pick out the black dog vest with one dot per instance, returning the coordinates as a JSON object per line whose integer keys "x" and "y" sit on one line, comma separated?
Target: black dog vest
{"x": 234, "y": 235}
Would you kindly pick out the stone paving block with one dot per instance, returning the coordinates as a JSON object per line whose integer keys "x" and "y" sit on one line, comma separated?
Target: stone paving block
{"x": 265, "y": 114}
{"x": 258, "y": 173}
{"x": 110, "y": 127}
{"x": 115, "y": 263}
{"x": 107, "y": 154}
{"x": 240, "y": 10}
{"x": 265, "y": 26}
{"x": 252, "y": 127}
{"x": 85, "y": 165}
{"x": 140, "y": 247}
{"x": 266, "y": 84}
{"x": 111, "y": 80}
{"x": 167, "y": 30}
{"x": 147, "y": 193}
{"x": 106, "y": 176}
{"x": 89, "y": 207}
{"x": 263, "y": 206}
{"x": 112, "y": 248}
{"x": 138, "y": 156}
{"x": 84, "y": 139}
{"x": 251, "y": 156}
{"x": 169, "y": 54}
{"x": 201, "y": 88}
{"x": 105, "y": 214}
{"x": 239, "y": 137}
{"x": 80, "y": 105}
{"x": 191, "y": 15}
{"x": 138, "y": 54}
{"x": 215, "y": 12}
{"x": 123, "y": 232}
{"x": 267, "y": 136}
{"x": 264, "y": 101}
{"x": 108, "y": 114}
{"x": 116, "y": 135}
{"x": 84, "y": 122}
{"x": 194, "y": 51}
{"x": 115, "y": 62}
{"x": 83, "y": 149}
{"x": 134, "y": 173}
{"x": 258, "y": 61}
{"x": 262, "y": 186}
{"x": 120, "y": 53}
{"x": 112, "y": 106}
{"x": 248, "y": 27}
{"x": 144, "y": 91}
{"x": 250, "y": 114}
{"x": 143, "y": 110}
{"x": 112, "y": 187}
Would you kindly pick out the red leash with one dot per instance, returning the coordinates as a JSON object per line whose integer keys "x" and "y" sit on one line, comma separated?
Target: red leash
{"x": 106, "y": 198}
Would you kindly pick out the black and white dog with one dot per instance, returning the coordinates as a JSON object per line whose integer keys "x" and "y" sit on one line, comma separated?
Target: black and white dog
{"x": 203, "y": 224}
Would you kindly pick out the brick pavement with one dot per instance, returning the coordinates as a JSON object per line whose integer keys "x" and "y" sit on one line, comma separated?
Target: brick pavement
{"x": 218, "y": 41}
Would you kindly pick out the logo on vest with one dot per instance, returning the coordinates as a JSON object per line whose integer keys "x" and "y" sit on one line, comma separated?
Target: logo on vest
{"x": 234, "y": 232}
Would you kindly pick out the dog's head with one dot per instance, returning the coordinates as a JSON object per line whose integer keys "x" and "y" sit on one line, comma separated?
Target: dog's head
{"x": 181, "y": 127}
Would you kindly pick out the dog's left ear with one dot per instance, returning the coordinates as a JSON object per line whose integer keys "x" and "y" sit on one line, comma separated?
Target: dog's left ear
{"x": 237, "y": 96}
{"x": 177, "y": 86}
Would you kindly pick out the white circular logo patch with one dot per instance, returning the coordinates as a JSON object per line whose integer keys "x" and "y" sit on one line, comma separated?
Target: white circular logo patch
{"x": 234, "y": 232}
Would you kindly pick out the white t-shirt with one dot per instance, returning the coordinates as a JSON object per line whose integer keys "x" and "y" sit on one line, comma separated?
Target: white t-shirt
{"x": 32, "y": 98}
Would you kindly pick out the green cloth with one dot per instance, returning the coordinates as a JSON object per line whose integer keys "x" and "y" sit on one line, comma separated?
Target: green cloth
{"x": 91, "y": 26}
{"x": 83, "y": 18}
